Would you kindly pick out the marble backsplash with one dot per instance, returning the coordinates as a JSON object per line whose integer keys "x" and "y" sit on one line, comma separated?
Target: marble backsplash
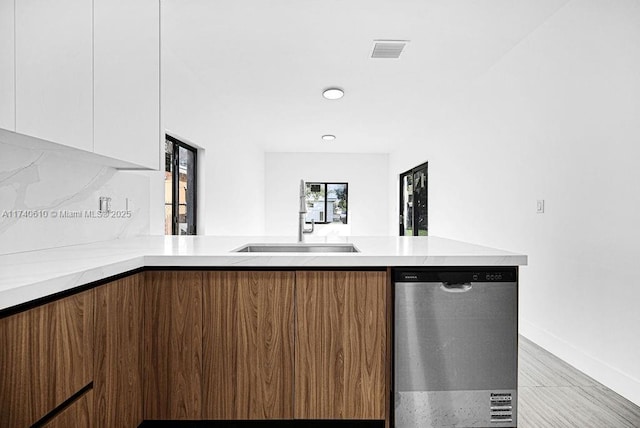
{"x": 49, "y": 199}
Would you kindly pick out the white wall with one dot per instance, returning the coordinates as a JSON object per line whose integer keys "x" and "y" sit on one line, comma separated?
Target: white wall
{"x": 367, "y": 199}
{"x": 230, "y": 187}
{"x": 556, "y": 119}
{"x": 235, "y": 191}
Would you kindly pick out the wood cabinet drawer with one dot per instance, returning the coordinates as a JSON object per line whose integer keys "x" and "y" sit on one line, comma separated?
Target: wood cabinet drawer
{"x": 79, "y": 414}
{"x": 46, "y": 357}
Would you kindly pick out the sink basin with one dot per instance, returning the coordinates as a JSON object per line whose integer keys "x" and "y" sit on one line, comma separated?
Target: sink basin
{"x": 297, "y": 248}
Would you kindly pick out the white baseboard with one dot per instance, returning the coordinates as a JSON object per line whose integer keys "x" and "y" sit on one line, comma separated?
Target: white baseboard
{"x": 607, "y": 375}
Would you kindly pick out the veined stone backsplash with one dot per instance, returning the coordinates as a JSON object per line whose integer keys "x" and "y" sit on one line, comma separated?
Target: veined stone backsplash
{"x": 48, "y": 199}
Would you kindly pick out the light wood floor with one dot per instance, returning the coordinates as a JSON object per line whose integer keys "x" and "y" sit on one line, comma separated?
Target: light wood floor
{"x": 553, "y": 394}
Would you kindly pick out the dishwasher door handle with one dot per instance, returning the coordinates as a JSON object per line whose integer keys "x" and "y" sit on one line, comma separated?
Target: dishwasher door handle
{"x": 456, "y": 288}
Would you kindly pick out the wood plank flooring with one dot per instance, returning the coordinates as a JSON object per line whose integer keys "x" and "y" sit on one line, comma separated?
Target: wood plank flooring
{"x": 553, "y": 394}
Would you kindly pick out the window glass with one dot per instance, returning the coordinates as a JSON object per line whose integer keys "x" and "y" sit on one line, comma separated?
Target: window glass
{"x": 337, "y": 202}
{"x": 168, "y": 187}
{"x": 315, "y": 197}
{"x": 327, "y": 202}
{"x": 414, "y": 202}
{"x": 407, "y": 206}
{"x": 420, "y": 199}
{"x": 180, "y": 188}
{"x": 186, "y": 192}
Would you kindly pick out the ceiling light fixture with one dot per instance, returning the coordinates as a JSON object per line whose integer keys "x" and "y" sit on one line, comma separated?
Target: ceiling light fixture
{"x": 333, "y": 93}
{"x": 328, "y": 137}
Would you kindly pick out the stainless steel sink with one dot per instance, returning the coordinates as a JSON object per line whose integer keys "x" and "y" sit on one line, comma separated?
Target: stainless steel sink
{"x": 297, "y": 248}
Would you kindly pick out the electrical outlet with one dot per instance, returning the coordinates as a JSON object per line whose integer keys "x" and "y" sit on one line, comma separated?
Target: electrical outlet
{"x": 104, "y": 204}
{"x": 540, "y": 206}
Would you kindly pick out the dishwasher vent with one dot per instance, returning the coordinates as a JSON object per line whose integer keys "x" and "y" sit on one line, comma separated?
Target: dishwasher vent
{"x": 501, "y": 410}
{"x": 388, "y": 48}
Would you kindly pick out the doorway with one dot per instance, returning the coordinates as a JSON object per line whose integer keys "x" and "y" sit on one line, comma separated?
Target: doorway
{"x": 413, "y": 201}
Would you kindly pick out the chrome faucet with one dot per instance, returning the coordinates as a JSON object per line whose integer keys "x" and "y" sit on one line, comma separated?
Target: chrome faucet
{"x": 302, "y": 214}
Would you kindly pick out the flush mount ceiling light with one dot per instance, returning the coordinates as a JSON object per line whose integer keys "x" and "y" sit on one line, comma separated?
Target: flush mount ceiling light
{"x": 333, "y": 93}
{"x": 328, "y": 137}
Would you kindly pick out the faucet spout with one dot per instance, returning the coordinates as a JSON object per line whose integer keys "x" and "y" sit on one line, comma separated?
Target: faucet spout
{"x": 302, "y": 212}
{"x": 303, "y": 202}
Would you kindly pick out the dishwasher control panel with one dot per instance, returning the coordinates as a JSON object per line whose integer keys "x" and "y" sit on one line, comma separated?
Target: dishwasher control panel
{"x": 456, "y": 276}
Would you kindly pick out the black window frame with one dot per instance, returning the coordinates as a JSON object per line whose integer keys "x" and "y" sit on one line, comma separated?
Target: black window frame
{"x": 411, "y": 172}
{"x": 175, "y": 176}
{"x": 346, "y": 196}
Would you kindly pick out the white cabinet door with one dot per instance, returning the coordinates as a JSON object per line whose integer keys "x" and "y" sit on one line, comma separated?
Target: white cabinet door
{"x": 127, "y": 80}
{"x": 54, "y": 83}
{"x": 7, "y": 63}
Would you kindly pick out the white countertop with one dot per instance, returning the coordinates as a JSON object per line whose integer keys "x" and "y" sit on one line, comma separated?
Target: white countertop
{"x": 31, "y": 275}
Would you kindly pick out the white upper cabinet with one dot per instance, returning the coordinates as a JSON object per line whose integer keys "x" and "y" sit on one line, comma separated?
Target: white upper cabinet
{"x": 7, "y": 64}
{"x": 127, "y": 80}
{"x": 54, "y": 71}
{"x": 84, "y": 74}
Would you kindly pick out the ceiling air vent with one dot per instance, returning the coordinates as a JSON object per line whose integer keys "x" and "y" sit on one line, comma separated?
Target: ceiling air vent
{"x": 388, "y": 48}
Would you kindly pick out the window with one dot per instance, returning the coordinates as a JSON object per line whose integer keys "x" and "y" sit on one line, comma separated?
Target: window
{"x": 327, "y": 202}
{"x": 413, "y": 202}
{"x": 180, "y": 188}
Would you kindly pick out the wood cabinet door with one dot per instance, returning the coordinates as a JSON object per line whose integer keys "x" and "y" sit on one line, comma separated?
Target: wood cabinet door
{"x": 341, "y": 345}
{"x": 173, "y": 345}
{"x": 45, "y": 358}
{"x": 248, "y": 345}
{"x": 118, "y": 353}
{"x": 15, "y": 379}
{"x": 77, "y": 415}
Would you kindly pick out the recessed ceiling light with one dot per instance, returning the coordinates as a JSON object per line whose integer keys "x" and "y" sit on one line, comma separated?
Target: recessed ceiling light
{"x": 333, "y": 93}
{"x": 328, "y": 137}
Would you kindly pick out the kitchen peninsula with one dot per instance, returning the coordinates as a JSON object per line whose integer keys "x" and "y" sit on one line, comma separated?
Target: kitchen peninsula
{"x": 168, "y": 328}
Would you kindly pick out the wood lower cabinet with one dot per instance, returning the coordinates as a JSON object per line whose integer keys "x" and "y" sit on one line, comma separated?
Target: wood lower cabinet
{"x": 202, "y": 345}
{"x": 248, "y": 345}
{"x": 341, "y": 345}
{"x": 45, "y": 358}
{"x": 15, "y": 382}
{"x": 118, "y": 353}
{"x": 79, "y": 414}
{"x": 173, "y": 345}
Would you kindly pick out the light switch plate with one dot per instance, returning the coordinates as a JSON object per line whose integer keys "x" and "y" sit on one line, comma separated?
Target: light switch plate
{"x": 540, "y": 206}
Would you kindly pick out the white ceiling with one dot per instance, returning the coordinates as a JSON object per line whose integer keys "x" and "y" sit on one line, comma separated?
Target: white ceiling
{"x": 252, "y": 71}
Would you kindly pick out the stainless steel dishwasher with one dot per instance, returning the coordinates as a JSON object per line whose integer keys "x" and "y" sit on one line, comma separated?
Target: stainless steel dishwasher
{"x": 455, "y": 347}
